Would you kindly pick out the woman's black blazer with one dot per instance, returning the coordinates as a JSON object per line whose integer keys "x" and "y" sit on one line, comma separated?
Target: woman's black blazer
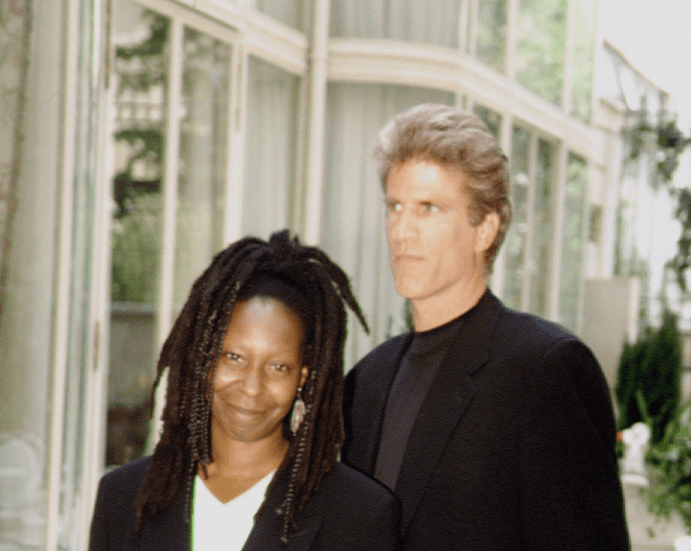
{"x": 349, "y": 511}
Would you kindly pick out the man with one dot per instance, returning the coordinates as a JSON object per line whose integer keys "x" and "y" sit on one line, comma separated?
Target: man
{"x": 494, "y": 428}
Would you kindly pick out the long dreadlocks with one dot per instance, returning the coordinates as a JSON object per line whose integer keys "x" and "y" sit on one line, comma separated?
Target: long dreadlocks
{"x": 191, "y": 353}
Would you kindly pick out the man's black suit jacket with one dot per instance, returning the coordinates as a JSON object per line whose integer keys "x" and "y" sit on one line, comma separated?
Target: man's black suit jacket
{"x": 513, "y": 447}
{"x": 349, "y": 512}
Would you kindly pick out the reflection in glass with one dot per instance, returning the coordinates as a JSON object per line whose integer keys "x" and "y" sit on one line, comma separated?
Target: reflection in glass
{"x": 272, "y": 111}
{"x": 572, "y": 241}
{"x": 289, "y": 12}
{"x": 431, "y": 22}
{"x": 542, "y": 228}
{"x": 540, "y": 47}
{"x": 583, "y": 58}
{"x": 491, "y": 33}
{"x": 140, "y": 41}
{"x": 491, "y": 118}
{"x": 515, "y": 243}
{"x": 202, "y": 167}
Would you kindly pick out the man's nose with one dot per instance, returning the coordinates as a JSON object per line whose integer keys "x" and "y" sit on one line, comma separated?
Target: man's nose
{"x": 403, "y": 225}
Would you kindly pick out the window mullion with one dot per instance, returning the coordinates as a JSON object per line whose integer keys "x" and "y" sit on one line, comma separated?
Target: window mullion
{"x": 170, "y": 193}
{"x": 530, "y": 220}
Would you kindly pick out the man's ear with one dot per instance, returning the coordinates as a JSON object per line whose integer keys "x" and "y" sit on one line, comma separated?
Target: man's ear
{"x": 303, "y": 375}
{"x": 486, "y": 232}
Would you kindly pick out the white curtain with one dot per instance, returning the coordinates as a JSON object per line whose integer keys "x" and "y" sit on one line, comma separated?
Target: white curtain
{"x": 270, "y": 149}
{"x": 352, "y": 219}
{"x": 432, "y": 22}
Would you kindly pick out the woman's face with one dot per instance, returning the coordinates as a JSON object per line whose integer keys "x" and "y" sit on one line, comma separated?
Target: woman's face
{"x": 258, "y": 372}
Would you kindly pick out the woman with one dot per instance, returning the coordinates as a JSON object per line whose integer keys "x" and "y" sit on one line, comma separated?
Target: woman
{"x": 252, "y": 425}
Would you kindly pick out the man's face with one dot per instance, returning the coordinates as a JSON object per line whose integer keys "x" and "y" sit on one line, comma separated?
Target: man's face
{"x": 436, "y": 253}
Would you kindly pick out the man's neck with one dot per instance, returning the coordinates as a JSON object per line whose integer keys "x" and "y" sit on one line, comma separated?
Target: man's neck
{"x": 437, "y": 310}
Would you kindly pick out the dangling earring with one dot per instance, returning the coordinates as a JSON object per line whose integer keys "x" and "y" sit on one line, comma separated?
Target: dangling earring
{"x": 298, "y": 411}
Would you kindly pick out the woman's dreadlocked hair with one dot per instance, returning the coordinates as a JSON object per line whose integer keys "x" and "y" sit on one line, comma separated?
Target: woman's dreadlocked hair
{"x": 318, "y": 291}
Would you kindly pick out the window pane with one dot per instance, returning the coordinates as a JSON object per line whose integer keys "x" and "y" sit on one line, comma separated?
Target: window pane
{"x": 140, "y": 39}
{"x": 583, "y": 58}
{"x": 491, "y": 33}
{"x": 540, "y": 47}
{"x": 491, "y": 118}
{"x": 432, "y": 22}
{"x": 542, "y": 228}
{"x": 272, "y": 111}
{"x": 353, "y": 215}
{"x": 572, "y": 245}
{"x": 516, "y": 236}
{"x": 203, "y": 152}
{"x": 289, "y": 12}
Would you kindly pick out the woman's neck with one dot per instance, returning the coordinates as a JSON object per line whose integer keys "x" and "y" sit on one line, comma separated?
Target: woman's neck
{"x": 237, "y": 466}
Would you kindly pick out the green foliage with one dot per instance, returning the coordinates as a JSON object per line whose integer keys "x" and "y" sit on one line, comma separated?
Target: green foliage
{"x": 143, "y": 65}
{"x": 649, "y": 378}
{"x": 541, "y": 46}
{"x": 670, "y": 462}
{"x": 135, "y": 251}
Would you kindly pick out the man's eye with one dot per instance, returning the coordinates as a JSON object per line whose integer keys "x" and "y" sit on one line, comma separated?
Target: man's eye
{"x": 432, "y": 208}
{"x": 393, "y": 206}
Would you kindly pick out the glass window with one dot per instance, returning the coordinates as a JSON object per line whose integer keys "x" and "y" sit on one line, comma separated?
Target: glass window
{"x": 572, "y": 241}
{"x": 289, "y": 12}
{"x": 432, "y": 22}
{"x": 203, "y": 153}
{"x": 141, "y": 44}
{"x": 517, "y": 235}
{"x": 539, "y": 263}
{"x": 491, "y": 118}
{"x": 540, "y": 48}
{"x": 353, "y": 215}
{"x": 270, "y": 150}
{"x": 583, "y": 58}
{"x": 491, "y": 33}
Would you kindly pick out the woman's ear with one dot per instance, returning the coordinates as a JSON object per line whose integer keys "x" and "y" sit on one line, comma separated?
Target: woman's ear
{"x": 303, "y": 376}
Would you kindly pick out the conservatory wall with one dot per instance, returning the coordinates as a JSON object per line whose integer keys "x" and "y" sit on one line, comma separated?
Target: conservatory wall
{"x": 161, "y": 130}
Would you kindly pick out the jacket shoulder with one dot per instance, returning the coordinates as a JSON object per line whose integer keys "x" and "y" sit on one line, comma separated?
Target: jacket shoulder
{"x": 357, "y": 511}
{"x": 385, "y": 352}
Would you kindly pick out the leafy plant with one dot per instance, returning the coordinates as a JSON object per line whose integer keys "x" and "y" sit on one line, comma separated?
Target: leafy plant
{"x": 670, "y": 462}
{"x": 649, "y": 377}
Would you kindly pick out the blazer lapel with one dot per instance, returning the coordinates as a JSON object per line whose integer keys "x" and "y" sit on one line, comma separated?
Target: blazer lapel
{"x": 372, "y": 390}
{"x": 451, "y": 392}
{"x": 268, "y": 529}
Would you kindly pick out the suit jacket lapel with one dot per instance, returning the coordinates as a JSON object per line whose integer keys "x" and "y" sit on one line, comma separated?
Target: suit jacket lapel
{"x": 451, "y": 392}
{"x": 372, "y": 390}
{"x": 268, "y": 529}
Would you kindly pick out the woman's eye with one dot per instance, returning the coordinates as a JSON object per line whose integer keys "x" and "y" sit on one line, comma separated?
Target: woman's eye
{"x": 279, "y": 368}
{"x": 233, "y": 357}
{"x": 433, "y": 208}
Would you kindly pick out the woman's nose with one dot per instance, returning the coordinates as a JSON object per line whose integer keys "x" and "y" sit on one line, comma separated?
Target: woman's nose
{"x": 253, "y": 380}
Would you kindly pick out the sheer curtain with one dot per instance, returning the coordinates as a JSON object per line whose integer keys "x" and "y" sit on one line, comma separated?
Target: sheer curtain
{"x": 270, "y": 149}
{"x": 353, "y": 214}
{"x": 29, "y": 134}
{"x": 432, "y": 22}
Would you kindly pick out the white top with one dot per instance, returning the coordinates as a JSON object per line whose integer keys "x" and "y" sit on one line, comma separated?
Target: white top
{"x": 220, "y": 526}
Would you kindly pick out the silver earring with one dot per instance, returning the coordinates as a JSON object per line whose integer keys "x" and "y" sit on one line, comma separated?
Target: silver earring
{"x": 298, "y": 411}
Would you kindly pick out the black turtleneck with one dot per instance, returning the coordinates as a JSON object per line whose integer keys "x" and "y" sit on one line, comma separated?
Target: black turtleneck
{"x": 413, "y": 379}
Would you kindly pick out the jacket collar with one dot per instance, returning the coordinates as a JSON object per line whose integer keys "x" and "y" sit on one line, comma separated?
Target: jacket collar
{"x": 170, "y": 530}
